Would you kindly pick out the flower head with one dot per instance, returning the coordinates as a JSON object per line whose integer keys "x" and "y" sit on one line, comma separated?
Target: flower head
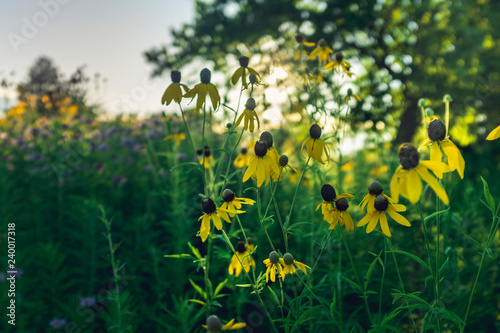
{"x": 242, "y": 256}
{"x": 211, "y": 212}
{"x": 232, "y": 203}
{"x": 382, "y": 205}
{"x": 438, "y": 141}
{"x": 174, "y": 91}
{"x": 273, "y": 264}
{"x": 241, "y": 72}
{"x": 204, "y": 88}
{"x": 206, "y": 160}
{"x": 267, "y": 138}
{"x": 374, "y": 190}
{"x": 214, "y": 325}
{"x": 334, "y": 208}
{"x": 283, "y": 165}
{"x": 315, "y": 145}
{"x": 339, "y": 63}
{"x": 350, "y": 95}
{"x": 176, "y": 137}
{"x": 322, "y": 52}
{"x": 243, "y": 159}
{"x": 262, "y": 165}
{"x": 407, "y": 180}
{"x": 290, "y": 264}
{"x": 300, "y": 49}
{"x": 250, "y": 116}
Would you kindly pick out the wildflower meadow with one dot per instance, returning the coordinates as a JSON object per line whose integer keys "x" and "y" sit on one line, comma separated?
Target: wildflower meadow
{"x": 280, "y": 187}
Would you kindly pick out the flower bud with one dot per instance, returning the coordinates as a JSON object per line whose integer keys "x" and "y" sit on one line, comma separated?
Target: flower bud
{"x": 315, "y": 131}
{"x": 205, "y": 75}
{"x": 175, "y": 76}
{"x": 274, "y": 257}
{"x": 288, "y": 259}
{"x": 250, "y": 104}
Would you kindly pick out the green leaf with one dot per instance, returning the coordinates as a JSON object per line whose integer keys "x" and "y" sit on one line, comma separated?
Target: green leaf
{"x": 436, "y": 214}
{"x": 219, "y": 287}
{"x": 298, "y": 224}
{"x": 194, "y": 250}
{"x": 451, "y": 316}
{"x": 250, "y": 189}
{"x": 414, "y": 297}
{"x": 198, "y": 165}
{"x": 275, "y": 297}
{"x": 180, "y": 256}
{"x": 197, "y": 301}
{"x": 443, "y": 267}
{"x": 198, "y": 289}
{"x": 244, "y": 285}
{"x": 352, "y": 283}
{"x": 488, "y": 196}
{"x": 370, "y": 271}
{"x": 414, "y": 257}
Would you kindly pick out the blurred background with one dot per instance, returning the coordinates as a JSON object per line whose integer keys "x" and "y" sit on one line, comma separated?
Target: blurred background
{"x": 84, "y": 138}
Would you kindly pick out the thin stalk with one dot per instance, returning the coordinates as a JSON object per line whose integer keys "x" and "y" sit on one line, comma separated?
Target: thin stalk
{"x": 276, "y": 208}
{"x": 256, "y": 290}
{"x": 203, "y": 149}
{"x": 382, "y": 284}
{"x": 207, "y": 267}
{"x": 262, "y": 219}
{"x": 389, "y": 243}
{"x": 228, "y": 163}
{"x": 358, "y": 280}
{"x": 296, "y": 190}
{"x": 491, "y": 234}
{"x": 187, "y": 129}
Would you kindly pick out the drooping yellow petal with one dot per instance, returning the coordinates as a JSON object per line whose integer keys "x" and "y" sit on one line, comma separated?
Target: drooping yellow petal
{"x": 251, "y": 168}
{"x": 239, "y": 119}
{"x": 455, "y": 158}
{"x": 384, "y": 225}
{"x": 373, "y": 221}
{"x": 394, "y": 185}
{"x": 273, "y": 274}
{"x": 363, "y": 202}
{"x": 433, "y": 183}
{"x": 495, "y": 134}
{"x": 217, "y": 221}
{"x": 345, "y": 195}
{"x": 365, "y": 220}
{"x": 349, "y": 224}
{"x": 436, "y": 155}
{"x": 202, "y": 95}
{"x": 398, "y": 217}
{"x": 260, "y": 171}
{"x": 437, "y": 167}
{"x": 398, "y": 207}
{"x": 205, "y": 227}
{"x": 426, "y": 143}
{"x": 236, "y": 75}
{"x": 214, "y": 95}
{"x": 413, "y": 186}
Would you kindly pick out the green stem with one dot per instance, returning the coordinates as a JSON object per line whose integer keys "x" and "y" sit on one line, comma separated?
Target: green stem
{"x": 203, "y": 150}
{"x": 389, "y": 243}
{"x": 256, "y": 290}
{"x": 358, "y": 280}
{"x": 276, "y": 208}
{"x": 382, "y": 285}
{"x": 262, "y": 219}
{"x": 187, "y": 130}
{"x": 296, "y": 190}
{"x": 491, "y": 235}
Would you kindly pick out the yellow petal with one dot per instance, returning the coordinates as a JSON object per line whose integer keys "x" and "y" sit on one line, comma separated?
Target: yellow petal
{"x": 345, "y": 195}
{"x": 413, "y": 186}
{"x": 251, "y": 168}
{"x": 433, "y": 183}
{"x": 455, "y": 158}
{"x": 436, "y": 155}
{"x": 217, "y": 221}
{"x": 236, "y": 75}
{"x": 214, "y": 95}
{"x": 398, "y": 217}
{"x": 260, "y": 171}
{"x": 495, "y": 134}
{"x": 384, "y": 225}
{"x": 365, "y": 220}
{"x": 394, "y": 185}
{"x": 373, "y": 222}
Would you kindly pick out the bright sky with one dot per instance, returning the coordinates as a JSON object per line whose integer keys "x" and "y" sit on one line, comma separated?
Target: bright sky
{"x": 108, "y": 36}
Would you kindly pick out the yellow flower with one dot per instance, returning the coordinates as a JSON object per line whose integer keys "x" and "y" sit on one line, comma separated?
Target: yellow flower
{"x": 267, "y": 138}
{"x": 176, "y": 137}
{"x": 241, "y": 72}
{"x": 407, "y": 178}
{"x": 242, "y": 256}
{"x": 350, "y": 95}
{"x": 495, "y": 134}
{"x": 338, "y": 213}
{"x": 322, "y": 52}
{"x": 273, "y": 264}
{"x": 300, "y": 49}
{"x": 174, "y": 91}
{"x": 290, "y": 264}
{"x": 384, "y": 204}
{"x": 437, "y": 140}
{"x": 374, "y": 190}
{"x": 283, "y": 164}
{"x": 315, "y": 145}
{"x": 211, "y": 212}
{"x": 206, "y": 160}
{"x": 232, "y": 203}
{"x": 243, "y": 159}
{"x": 339, "y": 64}
{"x": 214, "y": 325}
{"x": 261, "y": 165}
{"x": 250, "y": 116}
{"x": 201, "y": 89}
